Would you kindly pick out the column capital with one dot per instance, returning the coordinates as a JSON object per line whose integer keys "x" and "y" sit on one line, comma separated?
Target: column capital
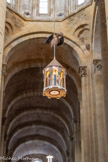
{"x": 97, "y": 65}
{"x": 83, "y": 71}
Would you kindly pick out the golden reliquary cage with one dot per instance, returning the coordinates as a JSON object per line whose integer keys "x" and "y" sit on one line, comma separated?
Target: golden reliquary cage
{"x": 54, "y": 80}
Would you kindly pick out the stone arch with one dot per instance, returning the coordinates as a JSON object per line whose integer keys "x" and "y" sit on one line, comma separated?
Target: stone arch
{"x": 80, "y": 56}
{"x": 74, "y": 76}
{"x": 103, "y": 13}
{"x": 44, "y": 125}
{"x": 56, "y": 115}
{"x": 34, "y": 93}
{"x": 27, "y": 141}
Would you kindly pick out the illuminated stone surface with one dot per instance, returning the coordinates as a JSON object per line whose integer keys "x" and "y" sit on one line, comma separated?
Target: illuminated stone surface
{"x": 74, "y": 128}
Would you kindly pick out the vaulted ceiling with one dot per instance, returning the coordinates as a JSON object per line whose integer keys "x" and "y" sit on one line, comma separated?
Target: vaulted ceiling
{"x": 34, "y": 125}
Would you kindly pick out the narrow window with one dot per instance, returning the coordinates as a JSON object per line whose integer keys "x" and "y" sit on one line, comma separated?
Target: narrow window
{"x": 80, "y": 2}
{"x": 43, "y": 7}
{"x": 9, "y": 1}
{"x": 14, "y": 1}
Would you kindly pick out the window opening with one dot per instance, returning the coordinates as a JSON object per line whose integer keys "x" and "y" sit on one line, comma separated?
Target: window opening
{"x": 43, "y": 7}
{"x": 9, "y": 1}
{"x": 80, "y": 2}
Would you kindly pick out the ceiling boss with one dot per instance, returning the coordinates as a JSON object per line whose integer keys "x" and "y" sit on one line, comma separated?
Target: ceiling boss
{"x": 54, "y": 73}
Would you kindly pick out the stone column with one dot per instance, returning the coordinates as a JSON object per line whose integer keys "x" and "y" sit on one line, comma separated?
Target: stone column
{"x": 2, "y": 27}
{"x": 4, "y": 71}
{"x": 72, "y": 150}
{"x": 2, "y": 31}
{"x": 87, "y": 116}
{"x": 101, "y": 150}
{"x": 84, "y": 117}
{"x": 77, "y": 142}
{"x": 103, "y": 13}
{"x": 16, "y": 5}
{"x": 34, "y": 8}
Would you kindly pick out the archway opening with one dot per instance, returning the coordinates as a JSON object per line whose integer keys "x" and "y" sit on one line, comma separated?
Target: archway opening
{"x": 34, "y": 125}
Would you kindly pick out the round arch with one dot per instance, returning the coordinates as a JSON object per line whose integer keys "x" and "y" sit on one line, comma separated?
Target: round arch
{"x": 15, "y": 152}
{"x": 24, "y": 65}
{"x": 79, "y": 55}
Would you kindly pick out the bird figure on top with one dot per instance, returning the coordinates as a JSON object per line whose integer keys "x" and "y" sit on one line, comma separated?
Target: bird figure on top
{"x": 55, "y": 39}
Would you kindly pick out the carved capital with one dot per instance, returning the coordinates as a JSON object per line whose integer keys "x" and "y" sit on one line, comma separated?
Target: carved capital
{"x": 97, "y": 65}
{"x": 83, "y": 71}
{"x": 4, "y": 69}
